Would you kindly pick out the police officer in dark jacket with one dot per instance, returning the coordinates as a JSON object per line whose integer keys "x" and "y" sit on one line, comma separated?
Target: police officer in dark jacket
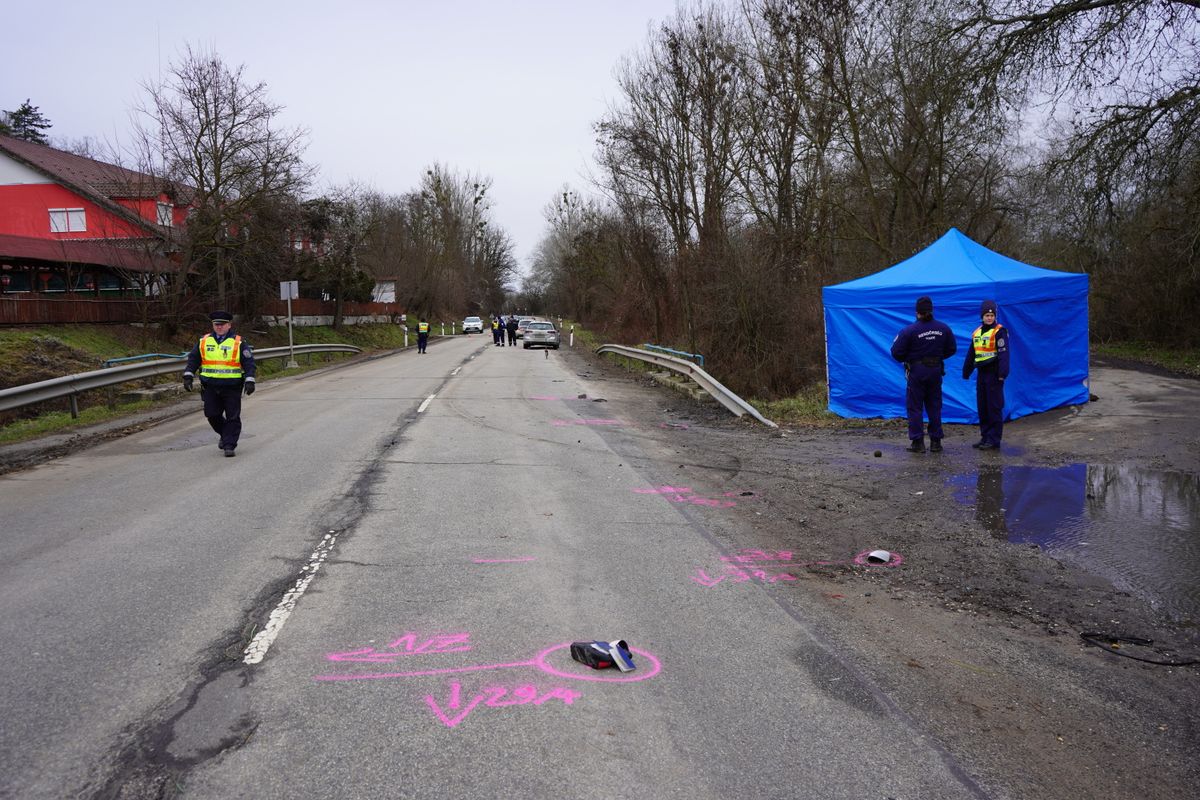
{"x": 922, "y": 347}
{"x": 988, "y": 358}
{"x": 225, "y": 364}
{"x": 422, "y": 335}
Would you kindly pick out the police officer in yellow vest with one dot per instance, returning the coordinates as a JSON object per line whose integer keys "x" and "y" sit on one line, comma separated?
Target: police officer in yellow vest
{"x": 988, "y": 358}
{"x": 422, "y": 335}
{"x": 225, "y": 364}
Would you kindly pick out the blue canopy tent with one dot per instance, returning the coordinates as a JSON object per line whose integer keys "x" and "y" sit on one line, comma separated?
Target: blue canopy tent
{"x": 1046, "y": 310}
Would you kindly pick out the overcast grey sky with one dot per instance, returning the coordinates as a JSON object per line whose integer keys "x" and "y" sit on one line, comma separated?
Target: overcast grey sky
{"x": 508, "y": 90}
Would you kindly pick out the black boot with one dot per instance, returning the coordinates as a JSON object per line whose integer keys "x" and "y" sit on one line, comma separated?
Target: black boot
{"x": 935, "y": 445}
{"x": 917, "y": 446}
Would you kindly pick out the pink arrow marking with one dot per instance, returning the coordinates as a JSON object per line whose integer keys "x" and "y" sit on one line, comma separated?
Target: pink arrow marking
{"x": 648, "y": 667}
{"x": 492, "y": 697}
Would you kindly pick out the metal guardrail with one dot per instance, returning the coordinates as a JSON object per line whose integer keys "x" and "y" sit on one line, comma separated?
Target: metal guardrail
{"x": 699, "y": 358}
{"x": 110, "y": 362}
{"x": 72, "y": 385}
{"x": 707, "y": 382}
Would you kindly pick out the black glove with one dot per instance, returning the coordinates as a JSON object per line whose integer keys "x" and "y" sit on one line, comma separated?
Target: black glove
{"x": 187, "y": 383}
{"x": 249, "y": 388}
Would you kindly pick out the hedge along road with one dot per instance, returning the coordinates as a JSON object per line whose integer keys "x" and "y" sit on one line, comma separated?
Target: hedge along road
{"x": 376, "y": 596}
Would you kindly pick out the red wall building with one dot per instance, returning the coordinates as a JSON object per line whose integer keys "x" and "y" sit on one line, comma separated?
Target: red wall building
{"x": 76, "y": 228}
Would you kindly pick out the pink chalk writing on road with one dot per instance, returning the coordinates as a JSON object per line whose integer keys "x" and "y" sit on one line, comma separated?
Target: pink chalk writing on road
{"x": 742, "y": 568}
{"x": 406, "y": 645}
{"x": 739, "y": 575}
{"x": 683, "y": 494}
{"x": 493, "y": 697}
{"x": 505, "y": 560}
{"x": 562, "y": 423}
{"x": 647, "y": 667}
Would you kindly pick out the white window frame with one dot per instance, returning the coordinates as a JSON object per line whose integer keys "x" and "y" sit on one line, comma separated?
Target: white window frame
{"x": 166, "y": 215}
{"x": 67, "y": 220}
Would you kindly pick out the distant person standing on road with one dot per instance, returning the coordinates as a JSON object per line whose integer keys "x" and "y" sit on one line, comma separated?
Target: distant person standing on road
{"x": 988, "y": 358}
{"x": 422, "y": 335}
{"x": 225, "y": 363}
{"x": 923, "y": 348}
{"x": 511, "y": 325}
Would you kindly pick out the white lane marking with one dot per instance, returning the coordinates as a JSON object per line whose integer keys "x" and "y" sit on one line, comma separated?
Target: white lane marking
{"x": 257, "y": 649}
{"x": 456, "y": 369}
{"x": 425, "y": 405}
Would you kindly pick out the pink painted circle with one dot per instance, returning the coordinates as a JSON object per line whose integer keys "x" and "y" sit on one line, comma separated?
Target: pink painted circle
{"x": 640, "y": 674}
{"x": 861, "y": 559}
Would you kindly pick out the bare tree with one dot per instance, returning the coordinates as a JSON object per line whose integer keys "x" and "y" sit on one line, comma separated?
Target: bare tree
{"x": 217, "y": 138}
{"x": 1128, "y": 72}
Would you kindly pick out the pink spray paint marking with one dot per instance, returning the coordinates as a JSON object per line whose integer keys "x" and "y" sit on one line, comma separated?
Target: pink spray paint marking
{"x": 406, "y": 645}
{"x": 493, "y": 697}
{"x": 562, "y": 423}
{"x": 647, "y": 667}
{"x": 504, "y": 560}
{"x": 739, "y": 575}
{"x": 743, "y": 569}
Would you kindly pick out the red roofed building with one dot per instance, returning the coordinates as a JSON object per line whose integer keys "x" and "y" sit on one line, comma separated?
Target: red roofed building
{"x": 73, "y": 228}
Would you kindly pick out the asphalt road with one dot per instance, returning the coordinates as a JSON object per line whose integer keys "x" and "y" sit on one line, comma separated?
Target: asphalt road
{"x": 405, "y": 547}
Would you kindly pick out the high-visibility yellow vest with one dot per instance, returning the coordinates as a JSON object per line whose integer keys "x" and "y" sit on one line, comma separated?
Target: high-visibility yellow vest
{"x": 985, "y": 343}
{"x": 220, "y": 359}
{"x": 422, "y": 327}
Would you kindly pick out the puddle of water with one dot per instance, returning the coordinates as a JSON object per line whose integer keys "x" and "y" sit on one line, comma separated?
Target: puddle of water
{"x": 1138, "y": 528}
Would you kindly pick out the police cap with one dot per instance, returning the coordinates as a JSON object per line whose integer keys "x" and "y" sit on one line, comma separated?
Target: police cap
{"x": 924, "y": 305}
{"x": 221, "y": 316}
{"x": 987, "y": 306}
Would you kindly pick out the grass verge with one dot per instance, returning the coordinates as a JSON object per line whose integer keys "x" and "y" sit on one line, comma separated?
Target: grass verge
{"x": 32, "y": 354}
{"x": 1184, "y": 361}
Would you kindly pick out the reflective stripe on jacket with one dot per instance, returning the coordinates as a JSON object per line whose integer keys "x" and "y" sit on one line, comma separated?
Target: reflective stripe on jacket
{"x": 422, "y": 327}
{"x": 985, "y": 343}
{"x": 220, "y": 359}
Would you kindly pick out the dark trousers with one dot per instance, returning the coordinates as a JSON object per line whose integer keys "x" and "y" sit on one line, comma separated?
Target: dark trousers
{"x": 989, "y": 399}
{"x": 512, "y": 336}
{"x": 422, "y": 340}
{"x": 924, "y": 396}
{"x": 223, "y": 408}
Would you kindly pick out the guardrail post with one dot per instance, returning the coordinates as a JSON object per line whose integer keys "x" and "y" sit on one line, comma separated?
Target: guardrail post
{"x": 572, "y": 340}
{"x": 73, "y": 401}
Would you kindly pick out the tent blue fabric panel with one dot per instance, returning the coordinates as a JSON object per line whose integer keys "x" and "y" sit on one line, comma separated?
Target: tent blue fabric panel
{"x": 1046, "y": 311}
